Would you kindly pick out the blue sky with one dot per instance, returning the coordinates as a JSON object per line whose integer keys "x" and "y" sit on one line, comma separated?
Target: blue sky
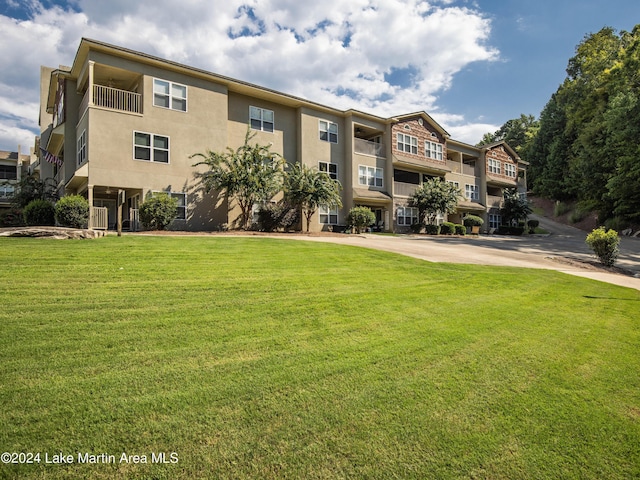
{"x": 470, "y": 64}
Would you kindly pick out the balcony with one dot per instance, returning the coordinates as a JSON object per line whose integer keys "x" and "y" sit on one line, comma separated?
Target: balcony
{"x": 113, "y": 99}
{"x": 366, "y": 147}
{"x": 494, "y": 201}
{"x": 404, "y": 189}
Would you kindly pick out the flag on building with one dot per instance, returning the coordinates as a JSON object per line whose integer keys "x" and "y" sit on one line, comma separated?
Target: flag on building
{"x": 51, "y": 158}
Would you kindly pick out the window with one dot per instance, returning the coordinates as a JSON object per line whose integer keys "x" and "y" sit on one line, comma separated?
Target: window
{"x": 455, "y": 184}
{"x": 407, "y": 143}
{"x": 330, "y": 169}
{"x": 82, "y": 147}
{"x": 6, "y": 191}
{"x": 510, "y": 170}
{"x": 261, "y": 119}
{"x": 471, "y": 192}
{"x": 8, "y": 172}
{"x": 149, "y": 147}
{"x": 169, "y": 95}
{"x": 182, "y": 205}
{"x": 433, "y": 150}
{"x": 370, "y": 176}
{"x": 494, "y": 220}
{"x": 328, "y": 215}
{"x": 494, "y": 166}
{"x": 407, "y": 215}
{"x": 328, "y": 131}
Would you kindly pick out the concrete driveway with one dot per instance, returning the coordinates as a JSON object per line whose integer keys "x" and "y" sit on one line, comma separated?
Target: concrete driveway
{"x": 530, "y": 251}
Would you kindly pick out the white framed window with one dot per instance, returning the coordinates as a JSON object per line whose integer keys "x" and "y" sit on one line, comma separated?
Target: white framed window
{"x": 330, "y": 169}
{"x": 407, "y": 143}
{"x": 261, "y": 119}
{"x": 510, "y": 170}
{"x": 82, "y": 148}
{"x": 150, "y": 147}
{"x": 328, "y": 131}
{"x": 455, "y": 184}
{"x": 407, "y": 215}
{"x": 495, "y": 166}
{"x": 6, "y": 191}
{"x": 370, "y": 176}
{"x": 433, "y": 150}
{"x": 169, "y": 95}
{"x": 328, "y": 216}
{"x": 471, "y": 192}
{"x": 181, "y": 214}
{"x": 495, "y": 220}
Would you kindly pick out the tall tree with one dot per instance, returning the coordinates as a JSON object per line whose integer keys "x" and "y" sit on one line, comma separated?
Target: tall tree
{"x": 31, "y": 188}
{"x": 517, "y": 132}
{"x": 308, "y": 189}
{"x": 433, "y": 197}
{"x": 250, "y": 174}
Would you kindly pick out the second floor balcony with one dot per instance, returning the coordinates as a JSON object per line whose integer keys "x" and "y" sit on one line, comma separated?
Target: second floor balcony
{"x": 112, "y": 98}
{"x": 367, "y": 147}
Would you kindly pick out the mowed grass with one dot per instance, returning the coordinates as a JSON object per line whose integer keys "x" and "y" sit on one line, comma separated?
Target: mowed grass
{"x": 265, "y": 358}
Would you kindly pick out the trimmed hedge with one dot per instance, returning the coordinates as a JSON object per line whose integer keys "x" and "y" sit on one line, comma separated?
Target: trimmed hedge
{"x": 39, "y": 213}
{"x": 72, "y": 211}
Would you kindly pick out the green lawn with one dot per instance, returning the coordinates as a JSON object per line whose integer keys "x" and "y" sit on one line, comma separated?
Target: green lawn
{"x": 265, "y": 358}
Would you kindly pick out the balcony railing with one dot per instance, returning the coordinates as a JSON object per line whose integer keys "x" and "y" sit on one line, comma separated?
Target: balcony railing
{"x": 116, "y": 99}
{"x": 494, "y": 201}
{"x": 100, "y": 218}
{"x": 404, "y": 189}
{"x": 365, "y": 147}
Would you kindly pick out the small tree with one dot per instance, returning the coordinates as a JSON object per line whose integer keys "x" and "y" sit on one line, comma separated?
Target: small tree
{"x": 434, "y": 197}
{"x": 158, "y": 211}
{"x": 32, "y": 188}
{"x": 605, "y": 244}
{"x": 251, "y": 174}
{"x": 515, "y": 208}
{"x": 39, "y": 212}
{"x": 72, "y": 211}
{"x": 308, "y": 189}
{"x": 360, "y": 218}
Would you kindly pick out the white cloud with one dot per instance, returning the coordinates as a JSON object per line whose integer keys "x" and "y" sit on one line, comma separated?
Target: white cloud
{"x": 337, "y": 52}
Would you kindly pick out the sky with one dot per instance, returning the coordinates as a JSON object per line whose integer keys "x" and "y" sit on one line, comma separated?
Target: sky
{"x": 471, "y": 64}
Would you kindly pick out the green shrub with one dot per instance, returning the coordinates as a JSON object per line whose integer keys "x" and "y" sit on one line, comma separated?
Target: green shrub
{"x": 460, "y": 229}
{"x": 472, "y": 221}
{"x": 72, "y": 211}
{"x": 447, "y": 228}
{"x": 605, "y": 244}
{"x": 39, "y": 212}
{"x": 432, "y": 229}
{"x": 360, "y": 218}
{"x": 277, "y": 215}
{"x": 12, "y": 218}
{"x": 616, "y": 223}
{"x": 533, "y": 224}
{"x": 158, "y": 211}
{"x": 417, "y": 227}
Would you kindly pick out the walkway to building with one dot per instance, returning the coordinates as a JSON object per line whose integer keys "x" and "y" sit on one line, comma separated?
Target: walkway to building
{"x": 554, "y": 252}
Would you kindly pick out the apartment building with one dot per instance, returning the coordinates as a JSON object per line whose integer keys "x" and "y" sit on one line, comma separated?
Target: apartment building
{"x": 13, "y": 166}
{"x": 120, "y": 124}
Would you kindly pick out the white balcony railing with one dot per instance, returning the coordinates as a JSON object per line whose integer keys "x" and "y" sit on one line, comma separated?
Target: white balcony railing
{"x": 134, "y": 219}
{"x": 365, "y": 147}
{"x": 116, "y": 99}
{"x": 100, "y": 218}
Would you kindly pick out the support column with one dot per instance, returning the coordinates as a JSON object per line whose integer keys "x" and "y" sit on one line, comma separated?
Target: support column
{"x": 90, "y": 200}
{"x": 90, "y": 84}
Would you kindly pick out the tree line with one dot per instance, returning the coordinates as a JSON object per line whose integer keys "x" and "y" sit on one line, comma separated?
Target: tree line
{"x": 585, "y": 146}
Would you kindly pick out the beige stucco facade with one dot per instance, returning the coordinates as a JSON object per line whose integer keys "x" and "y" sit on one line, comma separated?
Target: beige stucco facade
{"x": 127, "y": 123}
